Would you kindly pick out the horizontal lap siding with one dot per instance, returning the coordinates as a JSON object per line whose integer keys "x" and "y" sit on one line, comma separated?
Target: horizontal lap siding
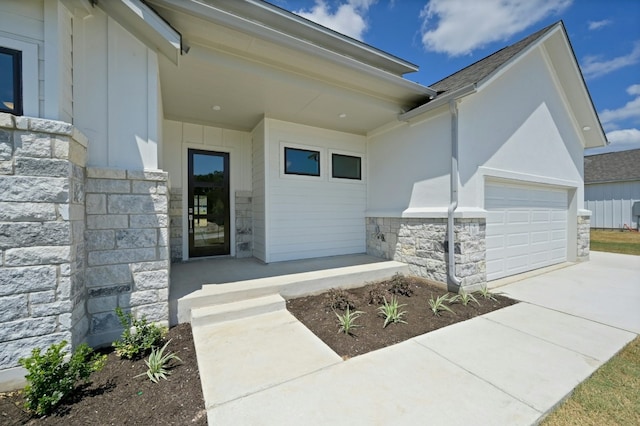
{"x": 314, "y": 217}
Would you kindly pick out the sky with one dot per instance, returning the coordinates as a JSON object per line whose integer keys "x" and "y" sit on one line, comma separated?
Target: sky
{"x": 444, "y": 36}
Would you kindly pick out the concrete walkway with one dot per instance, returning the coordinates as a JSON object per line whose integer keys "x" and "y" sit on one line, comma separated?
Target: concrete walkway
{"x": 509, "y": 367}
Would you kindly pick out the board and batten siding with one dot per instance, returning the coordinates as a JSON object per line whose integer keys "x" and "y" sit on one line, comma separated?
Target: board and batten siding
{"x": 611, "y": 204}
{"x": 22, "y": 28}
{"x": 313, "y": 216}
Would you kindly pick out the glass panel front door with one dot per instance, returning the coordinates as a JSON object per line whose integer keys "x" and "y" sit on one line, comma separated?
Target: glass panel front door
{"x": 208, "y": 205}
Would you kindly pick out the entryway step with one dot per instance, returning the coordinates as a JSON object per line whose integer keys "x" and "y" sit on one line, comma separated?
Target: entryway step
{"x": 236, "y": 310}
{"x": 288, "y": 286}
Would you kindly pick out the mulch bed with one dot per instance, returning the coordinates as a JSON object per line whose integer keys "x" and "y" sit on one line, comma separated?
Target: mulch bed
{"x": 316, "y": 313}
{"x": 116, "y": 397}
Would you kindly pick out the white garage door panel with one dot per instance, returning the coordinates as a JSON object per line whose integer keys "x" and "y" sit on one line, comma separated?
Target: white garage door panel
{"x": 526, "y": 228}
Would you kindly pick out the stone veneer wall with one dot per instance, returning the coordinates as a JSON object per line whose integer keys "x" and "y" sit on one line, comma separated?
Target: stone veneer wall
{"x": 421, "y": 243}
{"x": 42, "y": 220}
{"x": 127, "y": 247}
{"x": 244, "y": 224}
{"x": 175, "y": 226}
{"x": 584, "y": 237}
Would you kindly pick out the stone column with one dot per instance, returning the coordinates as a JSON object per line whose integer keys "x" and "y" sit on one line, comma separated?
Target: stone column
{"x": 584, "y": 237}
{"x": 127, "y": 246}
{"x": 421, "y": 243}
{"x": 42, "y": 296}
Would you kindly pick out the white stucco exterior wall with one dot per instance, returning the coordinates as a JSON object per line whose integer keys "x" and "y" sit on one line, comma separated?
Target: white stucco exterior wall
{"x": 116, "y": 96}
{"x": 409, "y": 168}
{"x": 313, "y": 216}
{"x": 518, "y": 127}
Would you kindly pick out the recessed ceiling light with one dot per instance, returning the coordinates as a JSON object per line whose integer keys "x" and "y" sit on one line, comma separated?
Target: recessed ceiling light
{"x": 216, "y": 107}
{"x": 343, "y": 115}
{"x": 586, "y": 128}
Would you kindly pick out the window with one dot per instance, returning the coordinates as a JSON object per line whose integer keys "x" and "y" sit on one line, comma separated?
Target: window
{"x": 346, "y": 167}
{"x": 301, "y": 162}
{"x": 10, "y": 81}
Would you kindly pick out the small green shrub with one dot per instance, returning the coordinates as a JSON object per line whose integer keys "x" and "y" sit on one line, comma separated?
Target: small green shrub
{"x": 157, "y": 363}
{"x": 400, "y": 286}
{"x": 484, "y": 292}
{"x": 138, "y": 336}
{"x": 391, "y": 312}
{"x": 50, "y": 379}
{"x": 340, "y": 300}
{"x": 347, "y": 321}
{"x": 464, "y": 298}
{"x": 437, "y": 305}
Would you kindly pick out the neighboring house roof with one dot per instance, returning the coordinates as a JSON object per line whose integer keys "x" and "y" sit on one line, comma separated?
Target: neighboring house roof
{"x": 612, "y": 167}
{"x": 481, "y": 69}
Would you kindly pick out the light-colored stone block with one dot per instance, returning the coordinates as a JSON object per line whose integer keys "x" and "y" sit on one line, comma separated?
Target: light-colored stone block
{"x": 101, "y": 173}
{"x": 151, "y": 280}
{"x": 152, "y": 220}
{"x": 154, "y": 312}
{"x": 13, "y": 307}
{"x": 108, "y": 275}
{"x": 100, "y": 239}
{"x": 111, "y": 257}
{"x": 21, "y": 348}
{"x": 6, "y": 120}
{"x": 108, "y": 186}
{"x": 53, "y": 308}
{"x": 25, "y": 328}
{"x": 102, "y": 304}
{"x": 27, "y": 256}
{"x": 42, "y": 167}
{"x": 96, "y": 204}
{"x": 34, "y": 189}
{"x": 41, "y": 297}
{"x": 134, "y": 238}
{"x": 27, "y": 212}
{"x": 103, "y": 221}
{"x": 50, "y": 126}
{"x": 27, "y": 279}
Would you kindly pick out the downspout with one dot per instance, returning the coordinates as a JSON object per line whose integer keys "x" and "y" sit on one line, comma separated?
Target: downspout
{"x": 453, "y": 282}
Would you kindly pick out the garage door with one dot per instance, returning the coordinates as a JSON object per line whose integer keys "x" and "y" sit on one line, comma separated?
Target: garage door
{"x": 526, "y": 228}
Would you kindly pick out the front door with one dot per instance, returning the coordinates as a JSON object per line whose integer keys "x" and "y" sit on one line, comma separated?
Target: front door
{"x": 208, "y": 207}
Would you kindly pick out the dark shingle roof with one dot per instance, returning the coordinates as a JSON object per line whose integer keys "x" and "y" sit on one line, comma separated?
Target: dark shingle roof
{"x": 484, "y": 67}
{"x": 612, "y": 167}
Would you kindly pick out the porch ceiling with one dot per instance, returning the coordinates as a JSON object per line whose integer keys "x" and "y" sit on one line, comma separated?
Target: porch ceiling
{"x": 249, "y": 77}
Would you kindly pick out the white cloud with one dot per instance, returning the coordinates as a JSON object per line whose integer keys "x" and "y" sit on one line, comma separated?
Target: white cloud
{"x": 594, "y": 66}
{"x": 624, "y": 136}
{"x": 596, "y": 25}
{"x": 464, "y": 25}
{"x": 630, "y": 110}
{"x": 349, "y": 18}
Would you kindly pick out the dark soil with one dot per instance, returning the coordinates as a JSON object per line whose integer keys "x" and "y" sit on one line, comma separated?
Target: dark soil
{"x": 317, "y": 314}
{"x": 116, "y": 397}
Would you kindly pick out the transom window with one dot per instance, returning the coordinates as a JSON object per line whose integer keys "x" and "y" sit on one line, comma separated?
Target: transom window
{"x": 346, "y": 167}
{"x": 10, "y": 81}
{"x": 301, "y": 162}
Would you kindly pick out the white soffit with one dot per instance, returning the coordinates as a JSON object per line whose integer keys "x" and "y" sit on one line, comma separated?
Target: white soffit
{"x": 144, "y": 23}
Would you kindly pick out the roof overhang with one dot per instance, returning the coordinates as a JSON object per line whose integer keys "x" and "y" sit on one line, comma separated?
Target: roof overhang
{"x": 249, "y": 70}
{"x": 146, "y": 25}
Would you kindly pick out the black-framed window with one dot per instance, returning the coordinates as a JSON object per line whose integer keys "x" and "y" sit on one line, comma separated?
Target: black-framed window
{"x": 301, "y": 162}
{"x": 10, "y": 81}
{"x": 346, "y": 166}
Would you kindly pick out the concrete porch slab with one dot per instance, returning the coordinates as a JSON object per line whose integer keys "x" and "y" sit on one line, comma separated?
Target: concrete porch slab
{"x": 241, "y": 357}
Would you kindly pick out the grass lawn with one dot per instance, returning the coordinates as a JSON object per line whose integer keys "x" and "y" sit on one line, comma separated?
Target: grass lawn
{"x": 611, "y": 396}
{"x": 616, "y": 241}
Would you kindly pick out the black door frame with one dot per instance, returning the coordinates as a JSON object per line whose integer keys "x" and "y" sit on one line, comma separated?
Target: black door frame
{"x": 192, "y": 184}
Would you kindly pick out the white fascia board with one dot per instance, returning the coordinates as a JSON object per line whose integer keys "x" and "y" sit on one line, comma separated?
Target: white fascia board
{"x": 260, "y": 31}
{"x": 147, "y": 25}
